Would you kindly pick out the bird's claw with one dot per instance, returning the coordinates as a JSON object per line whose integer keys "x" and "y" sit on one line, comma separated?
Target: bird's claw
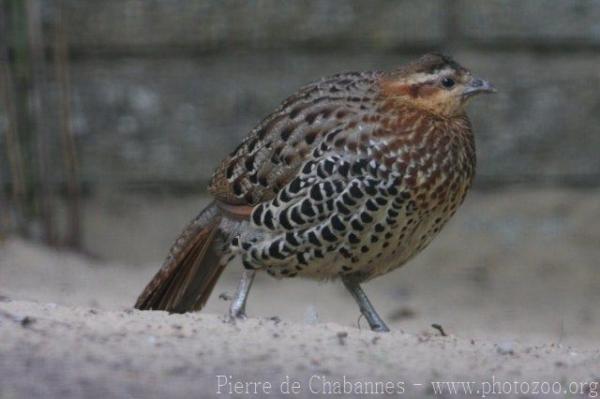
{"x": 380, "y": 328}
{"x": 235, "y": 315}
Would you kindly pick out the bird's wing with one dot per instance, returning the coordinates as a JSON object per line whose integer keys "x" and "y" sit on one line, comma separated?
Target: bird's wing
{"x": 271, "y": 155}
{"x": 323, "y": 209}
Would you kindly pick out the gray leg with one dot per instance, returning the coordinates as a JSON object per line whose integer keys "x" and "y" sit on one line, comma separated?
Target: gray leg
{"x": 237, "y": 309}
{"x": 375, "y": 322}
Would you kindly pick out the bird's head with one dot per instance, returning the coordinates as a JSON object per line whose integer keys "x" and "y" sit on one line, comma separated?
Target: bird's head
{"x": 435, "y": 83}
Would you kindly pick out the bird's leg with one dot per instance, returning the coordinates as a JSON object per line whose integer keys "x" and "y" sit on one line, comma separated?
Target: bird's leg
{"x": 237, "y": 309}
{"x": 375, "y": 322}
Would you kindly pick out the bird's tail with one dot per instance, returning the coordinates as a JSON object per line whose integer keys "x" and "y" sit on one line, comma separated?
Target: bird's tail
{"x": 192, "y": 268}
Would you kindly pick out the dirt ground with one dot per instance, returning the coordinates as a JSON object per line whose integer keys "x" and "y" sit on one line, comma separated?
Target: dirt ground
{"x": 513, "y": 281}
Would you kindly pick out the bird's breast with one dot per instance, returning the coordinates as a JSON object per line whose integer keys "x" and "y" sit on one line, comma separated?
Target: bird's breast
{"x": 434, "y": 159}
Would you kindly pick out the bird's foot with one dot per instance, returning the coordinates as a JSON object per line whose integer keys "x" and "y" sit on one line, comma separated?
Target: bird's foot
{"x": 237, "y": 308}
{"x": 235, "y": 314}
{"x": 381, "y": 328}
{"x": 366, "y": 308}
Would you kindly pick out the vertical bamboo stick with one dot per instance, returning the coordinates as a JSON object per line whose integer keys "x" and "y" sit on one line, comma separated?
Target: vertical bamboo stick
{"x": 69, "y": 149}
{"x": 39, "y": 111}
{"x": 5, "y": 224}
{"x": 4, "y": 211}
{"x": 13, "y": 143}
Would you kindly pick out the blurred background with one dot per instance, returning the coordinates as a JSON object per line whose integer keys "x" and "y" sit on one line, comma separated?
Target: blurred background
{"x": 114, "y": 114}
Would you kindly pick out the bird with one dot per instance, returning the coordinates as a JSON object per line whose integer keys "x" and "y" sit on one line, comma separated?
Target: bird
{"x": 348, "y": 179}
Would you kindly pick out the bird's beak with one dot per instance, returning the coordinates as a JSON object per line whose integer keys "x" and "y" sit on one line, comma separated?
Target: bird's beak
{"x": 477, "y": 86}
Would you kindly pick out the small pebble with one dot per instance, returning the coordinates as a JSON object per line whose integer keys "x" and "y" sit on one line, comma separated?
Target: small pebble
{"x": 224, "y": 296}
{"x": 342, "y": 335}
{"x": 27, "y": 321}
{"x": 440, "y": 329}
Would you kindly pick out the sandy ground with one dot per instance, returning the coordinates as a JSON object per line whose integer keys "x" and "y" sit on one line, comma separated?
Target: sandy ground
{"x": 51, "y": 351}
{"x": 513, "y": 280}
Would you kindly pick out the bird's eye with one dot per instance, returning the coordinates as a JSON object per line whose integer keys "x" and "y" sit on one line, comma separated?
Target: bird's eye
{"x": 448, "y": 82}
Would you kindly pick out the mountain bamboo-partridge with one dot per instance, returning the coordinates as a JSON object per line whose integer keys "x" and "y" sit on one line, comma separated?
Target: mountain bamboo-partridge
{"x": 350, "y": 177}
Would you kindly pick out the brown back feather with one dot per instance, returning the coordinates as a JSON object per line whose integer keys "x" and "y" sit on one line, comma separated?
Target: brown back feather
{"x": 270, "y": 156}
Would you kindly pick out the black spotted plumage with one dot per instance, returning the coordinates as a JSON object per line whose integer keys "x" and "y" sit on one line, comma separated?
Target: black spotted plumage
{"x": 351, "y": 176}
